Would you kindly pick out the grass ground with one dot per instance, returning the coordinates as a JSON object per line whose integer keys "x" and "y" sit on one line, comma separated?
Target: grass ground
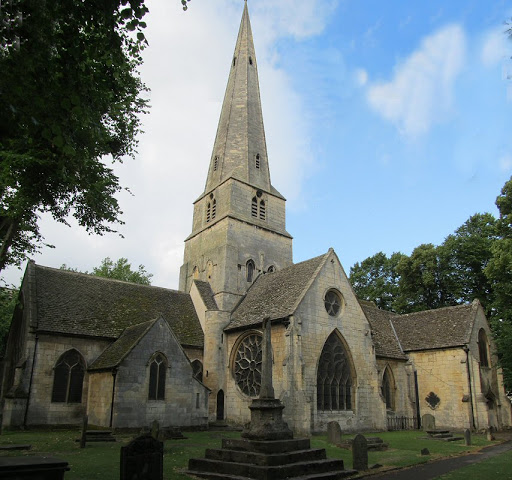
{"x": 499, "y": 467}
{"x": 101, "y": 460}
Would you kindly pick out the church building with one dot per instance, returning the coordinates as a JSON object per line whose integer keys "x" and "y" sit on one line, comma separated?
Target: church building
{"x": 127, "y": 354}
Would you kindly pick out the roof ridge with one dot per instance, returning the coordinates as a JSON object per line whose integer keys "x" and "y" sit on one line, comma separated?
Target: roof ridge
{"x": 462, "y": 305}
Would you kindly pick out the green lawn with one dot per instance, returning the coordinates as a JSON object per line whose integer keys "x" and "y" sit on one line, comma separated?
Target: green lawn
{"x": 101, "y": 460}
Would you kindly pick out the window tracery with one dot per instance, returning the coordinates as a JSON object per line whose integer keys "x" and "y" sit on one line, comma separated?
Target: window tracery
{"x": 334, "y": 378}
{"x": 157, "y": 374}
{"x": 68, "y": 378}
{"x": 247, "y": 365}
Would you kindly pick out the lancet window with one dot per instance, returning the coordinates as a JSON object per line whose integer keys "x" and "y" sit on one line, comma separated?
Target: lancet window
{"x": 250, "y": 270}
{"x": 157, "y": 374}
{"x": 483, "y": 349}
{"x": 388, "y": 389}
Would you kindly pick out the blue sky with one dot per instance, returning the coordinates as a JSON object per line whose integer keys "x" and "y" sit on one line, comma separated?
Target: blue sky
{"x": 388, "y": 124}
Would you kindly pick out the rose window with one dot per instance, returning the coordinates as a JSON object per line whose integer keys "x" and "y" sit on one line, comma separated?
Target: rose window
{"x": 333, "y": 303}
{"x": 247, "y": 368}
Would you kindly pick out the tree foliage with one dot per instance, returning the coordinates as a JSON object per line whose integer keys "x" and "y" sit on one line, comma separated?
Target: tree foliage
{"x": 118, "y": 270}
{"x": 473, "y": 262}
{"x": 70, "y": 98}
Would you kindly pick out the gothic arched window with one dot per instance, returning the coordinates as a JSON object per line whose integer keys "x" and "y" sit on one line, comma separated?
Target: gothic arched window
{"x": 68, "y": 378}
{"x": 254, "y": 207}
{"x": 483, "y": 349}
{"x": 387, "y": 389}
{"x": 250, "y": 270}
{"x": 157, "y": 374}
{"x": 197, "y": 368}
{"x": 334, "y": 378}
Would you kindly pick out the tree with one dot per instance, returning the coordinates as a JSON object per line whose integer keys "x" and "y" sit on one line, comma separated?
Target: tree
{"x": 375, "y": 279}
{"x": 469, "y": 251}
{"x": 8, "y": 300}
{"x": 70, "y": 95}
{"x": 119, "y": 270}
{"x": 499, "y": 273}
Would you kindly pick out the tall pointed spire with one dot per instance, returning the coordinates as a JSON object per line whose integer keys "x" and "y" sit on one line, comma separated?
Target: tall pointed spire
{"x": 240, "y": 149}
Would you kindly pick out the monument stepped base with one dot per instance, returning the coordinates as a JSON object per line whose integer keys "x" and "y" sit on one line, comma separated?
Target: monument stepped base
{"x": 244, "y": 459}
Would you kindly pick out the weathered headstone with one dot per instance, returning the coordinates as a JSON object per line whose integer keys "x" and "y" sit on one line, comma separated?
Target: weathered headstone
{"x": 83, "y": 436}
{"x": 467, "y": 436}
{"x": 334, "y": 433}
{"x": 425, "y": 451}
{"x": 489, "y": 433}
{"x": 142, "y": 459}
{"x": 155, "y": 429}
{"x": 360, "y": 453}
{"x": 428, "y": 422}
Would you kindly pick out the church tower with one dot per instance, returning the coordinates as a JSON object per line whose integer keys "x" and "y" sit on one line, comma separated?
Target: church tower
{"x": 238, "y": 227}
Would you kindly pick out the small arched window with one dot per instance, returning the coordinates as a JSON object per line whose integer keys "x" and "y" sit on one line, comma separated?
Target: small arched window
{"x": 271, "y": 269}
{"x": 250, "y": 270}
{"x": 208, "y": 212}
{"x": 68, "y": 378}
{"x": 483, "y": 348}
{"x": 215, "y": 163}
{"x": 387, "y": 389}
{"x": 197, "y": 368}
{"x": 254, "y": 207}
{"x": 334, "y": 378}
{"x": 157, "y": 374}
{"x": 214, "y": 208}
{"x": 263, "y": 213}
{"x": 257, "y": 164}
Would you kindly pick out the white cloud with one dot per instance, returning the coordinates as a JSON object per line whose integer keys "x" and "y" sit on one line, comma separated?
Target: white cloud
{"x": 361, "y": 77}
{"x": 186, "y": 66}
{"x": 420, "y": 92}
{"x": 495, "y": 47}
{"x": 506, "y": 163}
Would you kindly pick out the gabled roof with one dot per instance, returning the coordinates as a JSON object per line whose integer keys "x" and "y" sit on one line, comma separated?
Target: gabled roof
{"x": 79, "y": 304}
{"x": 432, "y": 329}
{"x": 384, "y": 336}
{"x": 206, "y": 293}
{"x": 115, "y": 353}
{"x": 276, "y": 295}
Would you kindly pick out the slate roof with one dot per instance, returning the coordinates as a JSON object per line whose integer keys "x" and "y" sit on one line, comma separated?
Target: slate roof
{"x": 275, "y": 295}
{"x": 114, "y": 354}
{"x": 383, "y": 334}
{"x": 432, "y": 329}
{"x": 206, "y": 292}
{"x": 80, "y": 304}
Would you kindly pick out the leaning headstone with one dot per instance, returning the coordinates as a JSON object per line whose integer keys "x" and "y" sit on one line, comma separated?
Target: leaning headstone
{"x": 83, "y": 436}
{"x": 467, "y": 436}
{"x": 360, "y": 453}
{"x": 428, "y": 422}
{"x": 142, "y": 459}
{"x": 425, "y": 451}
{"x": 334, "y": 433}
{"x": 155, "y": 429}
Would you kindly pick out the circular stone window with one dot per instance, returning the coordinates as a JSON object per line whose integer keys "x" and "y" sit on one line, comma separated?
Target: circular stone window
{"x": 247, "y": 365}
{"x": 333, "y": 302}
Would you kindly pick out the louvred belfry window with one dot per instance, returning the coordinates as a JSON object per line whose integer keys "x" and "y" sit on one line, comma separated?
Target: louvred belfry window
{"x": 157, "y": 374}
{"x": 254, "y": 207}
{"x": 262, "y": 210}
{"x": 68, "y": 378}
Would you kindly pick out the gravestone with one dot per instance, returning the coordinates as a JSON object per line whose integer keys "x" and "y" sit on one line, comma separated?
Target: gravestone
{"x": 360, "y": 453}
{"x": 334, "y": 433}
{"x": 83, "y": 436}
{"x": 155, "y": 429}
{"x": 428, "y": 422}
{"x": 489, "y": 432}
{"x": 425, "y": 451}
{"x": 142, "y": 459}
{"x": 467, "y": 436}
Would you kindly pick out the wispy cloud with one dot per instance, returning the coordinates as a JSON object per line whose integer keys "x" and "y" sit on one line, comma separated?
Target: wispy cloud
{"x": 420, "y": 92}
{"x": 496, "y": 46}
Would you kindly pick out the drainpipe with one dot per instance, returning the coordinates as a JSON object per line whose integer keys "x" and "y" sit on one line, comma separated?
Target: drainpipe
{"x": 114, "y": 375}
{"x": 466, "y": 349}
{"x": 30, "y": 382}
{"x": 417, "y": 395}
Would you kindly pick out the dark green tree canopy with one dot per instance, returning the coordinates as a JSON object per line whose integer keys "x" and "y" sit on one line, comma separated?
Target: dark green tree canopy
{"x": 118, "y": 270}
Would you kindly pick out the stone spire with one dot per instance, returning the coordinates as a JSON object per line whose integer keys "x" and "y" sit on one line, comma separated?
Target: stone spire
{"x": 240, "y": 149}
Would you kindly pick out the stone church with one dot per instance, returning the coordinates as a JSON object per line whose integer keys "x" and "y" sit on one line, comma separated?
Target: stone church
{"x": 126, "y": 354}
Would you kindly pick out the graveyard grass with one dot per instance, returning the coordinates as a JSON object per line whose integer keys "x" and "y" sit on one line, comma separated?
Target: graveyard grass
{"x": 101, "y": 460}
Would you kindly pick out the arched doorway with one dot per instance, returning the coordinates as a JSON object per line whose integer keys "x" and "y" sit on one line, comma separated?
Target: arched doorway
{"x": 220, "y": 405}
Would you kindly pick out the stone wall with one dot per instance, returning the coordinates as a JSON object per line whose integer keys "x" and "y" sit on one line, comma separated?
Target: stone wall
{"x": 186, "y": 399}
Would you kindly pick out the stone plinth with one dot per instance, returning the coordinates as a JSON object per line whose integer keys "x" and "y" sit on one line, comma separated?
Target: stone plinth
{"x": 267, "y": 421}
